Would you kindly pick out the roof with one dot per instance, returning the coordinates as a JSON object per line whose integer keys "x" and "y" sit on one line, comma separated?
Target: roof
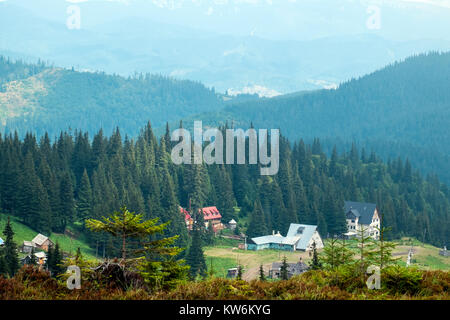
{"x": 29, "y": 243}
{"x": 362, "y": 210}
{"x": 304, "y": 231}
{"x": 209, "y": 213}
{"x": 293, "y": 268}
{"x": 232, "y": 221}
{"x": 277, "y": 238}
{"x": 1, "y": 241}
{"x": 40, "y": 255}
{"x": 40, "y": 239}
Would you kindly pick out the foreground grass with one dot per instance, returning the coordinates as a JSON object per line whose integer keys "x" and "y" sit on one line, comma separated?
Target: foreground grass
{"x": 397, "y": 283}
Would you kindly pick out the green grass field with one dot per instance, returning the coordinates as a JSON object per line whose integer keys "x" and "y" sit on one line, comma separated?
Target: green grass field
{"x": 220, "y": 265}
{"x": 426, "y": 257}
{"x": 23, "y": 232}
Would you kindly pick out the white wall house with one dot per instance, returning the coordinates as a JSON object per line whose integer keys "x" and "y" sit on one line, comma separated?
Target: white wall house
{"x": 361, "y": 215}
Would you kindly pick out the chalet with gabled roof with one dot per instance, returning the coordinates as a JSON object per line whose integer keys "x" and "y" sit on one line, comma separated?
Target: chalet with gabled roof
{"x": 360, "y": 215}
{"x": 42, "y": 242}
{"x": 300, "y": 237}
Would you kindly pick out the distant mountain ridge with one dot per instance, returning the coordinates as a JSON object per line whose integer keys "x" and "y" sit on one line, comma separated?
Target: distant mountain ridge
{"x": 401, "y": 110}
{"x": 222, "y": 61}
{"x": 38, "y": 98}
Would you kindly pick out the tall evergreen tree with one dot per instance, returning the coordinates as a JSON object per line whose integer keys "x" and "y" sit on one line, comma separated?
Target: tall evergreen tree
{"x": 84, "y": 201}
{"x": 10, "y": 257}
{"x": 257, "y": 226}
{"x": 195, "y": 257}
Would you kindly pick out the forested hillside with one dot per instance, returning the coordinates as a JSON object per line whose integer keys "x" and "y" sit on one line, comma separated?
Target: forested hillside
{"x": 42, "y": 99}
{"x": 402, "y": 110}
{"x": 51, "y": 185}
{"x": 17, "y": 69}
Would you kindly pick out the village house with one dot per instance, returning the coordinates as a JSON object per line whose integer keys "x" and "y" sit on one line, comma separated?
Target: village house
{"x": 211, "y": 215}
{"x": 41, "y": 258}
{"x": 364, "y": 216}
{"x": 445, "y": 252}
{"x": 232, "y": 224}
{"x": 292, "y": 268}
{"x": 232, "y": 273}
{"x": 28, "y": 246}
{"x": 42, "y": 242}
{"x": 299, "y": 237}
{"x": 1, "y": 242}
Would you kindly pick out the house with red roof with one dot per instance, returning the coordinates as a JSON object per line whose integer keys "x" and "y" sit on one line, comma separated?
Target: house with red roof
{"x": 211, "y": 215}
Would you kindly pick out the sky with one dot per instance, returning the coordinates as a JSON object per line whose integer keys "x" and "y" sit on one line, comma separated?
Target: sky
{"x": 275, "y": 46}
{"x": 270, "y": 19}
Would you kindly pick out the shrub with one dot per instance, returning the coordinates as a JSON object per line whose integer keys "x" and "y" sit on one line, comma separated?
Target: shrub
{"x": 402, "y": 280}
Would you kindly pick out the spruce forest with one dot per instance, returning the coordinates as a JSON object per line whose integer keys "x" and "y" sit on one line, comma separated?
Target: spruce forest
{"x": 224, "y": 150}
{"x": 50, "y": 185}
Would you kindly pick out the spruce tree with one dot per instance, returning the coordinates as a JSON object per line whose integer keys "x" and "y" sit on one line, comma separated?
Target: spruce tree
{"x": 195, "y": 257}
{"x": 67, "y": 204}
{"x": 2, "y": 264}
{"x": 257, "y": 225}
{"x": 262, "y": 276}
{"x": 284, "y": 269}
{"x": 33, "y": 260}
{"x": 84, "y": 201}
{"x": 365, "y": 249}
{"x": 315, "y": 263}
{"x": 382, "y": 254}
{"x": 239, "y": 274}
{"x": 10, "y": 257}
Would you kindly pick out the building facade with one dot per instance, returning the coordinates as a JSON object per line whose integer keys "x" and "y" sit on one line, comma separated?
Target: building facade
{"x": 362, "y": 216}
{"x": 211, "y": 215}
{"x": 300, "y": 237}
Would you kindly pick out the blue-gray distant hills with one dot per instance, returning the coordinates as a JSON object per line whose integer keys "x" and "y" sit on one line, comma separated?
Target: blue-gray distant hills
{"x": 127, "y": 43}
{"x": 402, "y": 111}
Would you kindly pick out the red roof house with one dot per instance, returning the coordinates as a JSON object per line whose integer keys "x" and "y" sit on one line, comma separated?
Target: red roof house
{"x": 210, "y": 215}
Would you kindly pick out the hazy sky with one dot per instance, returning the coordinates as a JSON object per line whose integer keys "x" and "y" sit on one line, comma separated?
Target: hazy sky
{"x": 272, "y": 19}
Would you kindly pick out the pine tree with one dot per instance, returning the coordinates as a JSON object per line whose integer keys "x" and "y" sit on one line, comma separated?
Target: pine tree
{"x": 67, "y": 203}
{"x": 239, "y": 274}
{"x": 257, "y": 225}
{"x": 382, "y": 254}
{"x": 33, "y": 260}
{"x": 210, "y": 235}
{"x": 195, "y": 257}
{"x": 262, "y": 276}
{"x": 366, "y": 246}
{"x": 169, "y": 203}
{"x": 331, "y": 254}
{"x": 126, "y": 225}
{"x": 284, "y": 269}
{"x": 57, "y": 268}
{"x": 10, "y": 257}
{"x": 2, "y": 264}
{"x": 84, "y": 201}
{"x": 315, "y": 263}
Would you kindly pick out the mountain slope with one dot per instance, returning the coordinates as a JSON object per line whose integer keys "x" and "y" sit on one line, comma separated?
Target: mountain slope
{"x": 68, "y": 244}
{"x": 401, "y": 110}
{"x": 54, "y": 99}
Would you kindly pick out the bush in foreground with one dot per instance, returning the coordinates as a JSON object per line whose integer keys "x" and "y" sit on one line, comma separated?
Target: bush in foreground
{"x": 341, "y": 284}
